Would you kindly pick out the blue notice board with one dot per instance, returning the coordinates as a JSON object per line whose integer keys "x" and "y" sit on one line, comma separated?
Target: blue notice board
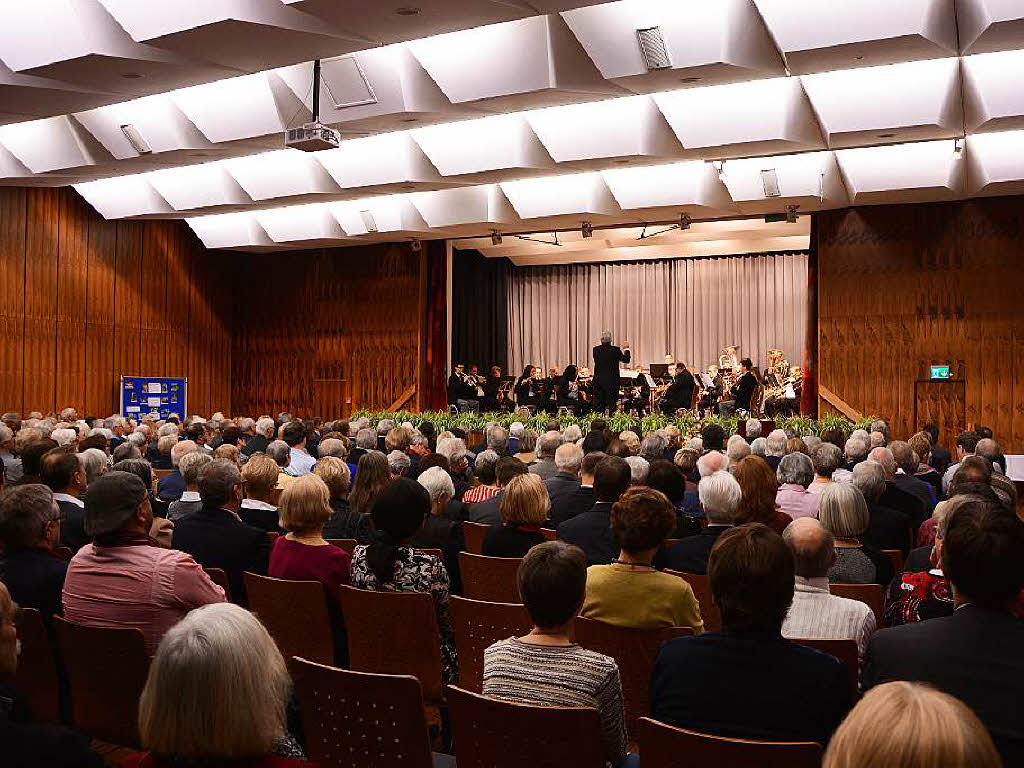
{"x": 143, "y": 395}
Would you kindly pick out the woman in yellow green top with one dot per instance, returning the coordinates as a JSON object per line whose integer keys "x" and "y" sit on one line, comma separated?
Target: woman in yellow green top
{"x": 630, "y": 592}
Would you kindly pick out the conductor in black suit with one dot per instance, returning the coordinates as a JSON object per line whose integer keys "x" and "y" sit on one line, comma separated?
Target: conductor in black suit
{"x": 606, "y": 372}
{"x": 680, "y": 392}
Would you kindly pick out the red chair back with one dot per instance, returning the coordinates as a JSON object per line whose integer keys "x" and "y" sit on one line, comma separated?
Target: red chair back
{"x": 896, "y": 557}
{"x": 492, "y": 579}
{"x": 361, "y": 719}
{"x": 220, "y": 577}
{"x": 479, "y": 625}
{"x": 295, "y": 614}
{"x": 107, "y": 669}
{"x": 498, "y": 734}
{"x": 701, "y": 587}
{"x": 634, "y": 650}
{"x": 549, "y": 534}
{"x": 37, "y": 669}
{"x": 347, "y": 544}
{"x": 474, "y": 534}
{"x": 664, "y": 746}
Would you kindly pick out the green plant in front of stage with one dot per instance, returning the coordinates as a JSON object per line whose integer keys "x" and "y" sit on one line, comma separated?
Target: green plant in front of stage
{"x": 798, "y": 425}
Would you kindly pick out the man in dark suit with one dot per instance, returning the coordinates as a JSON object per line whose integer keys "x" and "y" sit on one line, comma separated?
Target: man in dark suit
{"x": 606, "y": 372}
{"x": 61, "y": 471}
{"x": 680, "y": 392}
{"x": 215, "y": 536}
{"x": 747, "y": 681}
{"x": 887, "y": 528}
{"x": 742, "y": 391}
{"x": 566, "y": 481}
{"x": 720, "y": 497}
{"x": 975, "y": 654}
{"x": 488, "y": 511}
{"x": 591, "y": 531}
{"x": 264, "y": 433}
{"x": 460, "y": 393}
{"x": 940, "y": 456}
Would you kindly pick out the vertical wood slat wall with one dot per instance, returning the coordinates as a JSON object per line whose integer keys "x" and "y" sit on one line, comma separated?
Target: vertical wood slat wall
{"x": 901, "y": 287}
{"x": 84, "y": 300}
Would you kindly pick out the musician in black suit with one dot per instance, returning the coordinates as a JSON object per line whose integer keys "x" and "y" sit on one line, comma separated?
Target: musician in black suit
{"x": 606, "y": 372}
{"x": 680, "y": 392}
{"x": 528, "y": 390}
{"x": 974, "y": 654}
{"x": 494, "y": 399}
{"x": 567, "y": 391}
{"x": 460, "y": 393}
{"x": 742, "y": 391}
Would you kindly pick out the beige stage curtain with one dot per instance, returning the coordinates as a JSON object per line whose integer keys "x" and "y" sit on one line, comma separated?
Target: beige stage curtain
{"x": 690, "y": 308}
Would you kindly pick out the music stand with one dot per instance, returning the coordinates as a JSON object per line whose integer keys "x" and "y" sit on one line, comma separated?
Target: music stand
{"x": 659, "y": 370}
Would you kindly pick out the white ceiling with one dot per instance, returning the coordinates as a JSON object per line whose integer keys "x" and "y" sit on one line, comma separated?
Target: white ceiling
{"x": 471, "y": 116}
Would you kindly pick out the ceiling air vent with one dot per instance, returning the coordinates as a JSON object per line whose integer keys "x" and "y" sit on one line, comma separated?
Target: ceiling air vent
{"x": 652, "y": 46}
{"x": 345, "y": 82}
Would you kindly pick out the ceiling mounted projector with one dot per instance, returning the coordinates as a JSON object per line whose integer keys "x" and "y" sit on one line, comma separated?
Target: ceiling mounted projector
{"x": 314, "y": 136}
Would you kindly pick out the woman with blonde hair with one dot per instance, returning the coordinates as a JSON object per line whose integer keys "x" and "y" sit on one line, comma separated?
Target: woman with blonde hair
{"x": 524, "y": 508}
{"x": 216, "y": 695}
{"x": 909, "y": 725}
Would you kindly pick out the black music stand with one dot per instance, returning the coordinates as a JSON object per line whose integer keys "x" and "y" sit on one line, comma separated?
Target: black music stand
{"x": 659, "y": 370}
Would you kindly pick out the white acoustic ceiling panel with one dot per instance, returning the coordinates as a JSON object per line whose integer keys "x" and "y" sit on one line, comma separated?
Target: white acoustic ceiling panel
{"x": 381, "y": 218}
{"x": 601, "y": 131}
{"x": 52, "y": 143}
{"x": 378, "y": 161}
{"x": 581, "y": 193}
{"x": 810, "y": 181}
{"x": 484, "y": 204}
{"x": 473, "y": 147}
{"x": 691, "y": 187}
{"x": 990, "y": 25}
{"x": 284, "y": 173}
{"x": 995, "y": 163}
{"x": 893, "y": 103}
{"x": 512, "y": 65}
{"x": 231, "y": 230}
{"x": 157, "y": 119}
{"x": 198, "y": 186}
{"x": 124, "y": 196}
{"x": 931, "y": 170}
{"x": 706, "y": 42}
{"x": 993, "y": 92}
{"x": 23, "y": 97}
{"x": 300, "y": 224}
{"x": 817, "y": 36}
{"x": 757, "y": 117}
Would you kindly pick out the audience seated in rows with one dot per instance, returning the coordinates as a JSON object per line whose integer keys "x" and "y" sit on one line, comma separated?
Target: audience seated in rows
{"x": 747, "y": 681}
{"x": 488, "y": 511}
{"x": 64, "y": 474}
{"x": 190, "y": 465}
{"x": 815, "y": 613}
{"x": 887, "y": 528}
{"x": 795, "y": 474}
{"x": 566, "y": 506}
{"x": 720, "y": 497}
{"x": 844, "y": 513}
{"x": 389, "y": 564}
{"x": 344, "y": 523}
{"x": 524, "y": 508}
{"x": 760, "y": 488}
{"x": 591, "y": 530}
{"x": 630, "y": 592}
{"x": 438, "y": 530}
{"x": 546, "y": 667}
{"x": 123, "y": 578}
{"x": 29, "y": 532}
{"x": 259, "y": 476}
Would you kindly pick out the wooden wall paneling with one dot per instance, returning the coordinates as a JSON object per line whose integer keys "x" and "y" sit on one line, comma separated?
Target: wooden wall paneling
{"x": 43, "y": 212}
{"x": 72, "y": 303}
{"x": 13, "y": 217}
{"x": 157, "y": 245}
{"x": 128, "y": 299}
{"x": 100, "y": 381}
{"x": 179, "y": 278}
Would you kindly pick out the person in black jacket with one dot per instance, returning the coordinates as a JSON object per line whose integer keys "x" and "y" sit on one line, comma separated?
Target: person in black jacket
{"x": 439, "y": 531}
{"x": 680, "y": 392}
{"x": 567, "y": 393}
{"x": 524, "y": 507}
{"x": 566, "y": 506}
{"x": 591, "y": 531}
{"x": 460, "y": 393}
{"x": 742, "y": 391}
{"x": 606, "y": 372}
{"x": 887, "y": 528}
{"x": 216, "y": 537}
{"x": 747, "y": 681}
{"x": 29, "y": 530}
{"x": 975, "y": 654}
{"x": 61, "y": 470}
{"x": 720, "y": 497}
{"x": 528, "y": 389}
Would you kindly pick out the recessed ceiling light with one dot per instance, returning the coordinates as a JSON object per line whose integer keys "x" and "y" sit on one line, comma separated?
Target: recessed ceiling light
{"x": 409, "y": 120}
{"x": 621, "y": 162}
{"x": 132, "y": 75}
{"x": 408, "y": 10}
{"x": 886, "y": 135}
{"x": 689, "y": 79}
{"x": 859, "y": 58}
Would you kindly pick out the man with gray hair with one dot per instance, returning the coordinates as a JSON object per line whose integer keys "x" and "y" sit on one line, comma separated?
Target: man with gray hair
{"x": 720, "y": 497}
{"x": 95, "y": 462}
{"x": 653, "y": 447}
{"x": 263, "y": 434}
{"x": 496, "y": 439}
{"x": 332, "y": 446}
{"x": 895, "y": 497}
{"x": 216, "y": 536}
{"x": 795, "y": 474}
{"x": 29, "y": 531}
{"x": 566, "y": 481}
{"x": 815, "y": 613}
{"x": 876, "y": 440}
{"x": 905, "y": 477}
{"x": 398, "y": 464}
{"x": 759, "y": 447}
{"x": 366, "y": 439}
{"x": 888, "y": 528}
{"x": 191, "y": 465}
{"x": 606, "y": 372}
{"x": 753, "y": 429}
{"x": 12, "y": 464}
{"x": 737, "y": 450}
{"x": 638, "y": 469}
{"x": 547, "y": 444}
{"x": 879, "y": 425}
{"x": 775, "y": 448}
{"x": 711, "y": 462}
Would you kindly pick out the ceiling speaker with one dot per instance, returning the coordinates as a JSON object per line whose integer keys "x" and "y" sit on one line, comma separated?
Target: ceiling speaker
{"x": 368, "y": 221}
{"x": 652, "y": 46}
{"x": 770, "y": 183}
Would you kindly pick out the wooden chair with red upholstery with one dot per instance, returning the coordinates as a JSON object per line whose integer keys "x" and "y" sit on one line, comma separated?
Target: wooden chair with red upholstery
{"x": 107, "y": 669}
{"x": 360, "y": 718}
{"x": 395, "y": 633}
{"x": 701, "y": 587}
{"x": 347, "y": 544}
{"x": 295, "y": 614}
{"x": 473, "y": 534}
{"x": 220, "y": 577}
{"x": 64, "y": 553}
{"x": 872, "y": 595}
{"x": 896, "y": 557}
{"x": 844, "y": 650}
{"x": 664, "y": 746}
{"x": 37, "y": 676}
{"x": 498, "y": 734}
{"x": 490, "y": 578}
{"x": 549, "y": 534}
{"x": 634, "y": 650}
{"x": 480, "y": 624}
{"x": 431, "y": 551}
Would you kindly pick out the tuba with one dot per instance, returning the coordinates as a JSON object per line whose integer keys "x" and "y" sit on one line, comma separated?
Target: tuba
{"x": 728, "y": 363}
